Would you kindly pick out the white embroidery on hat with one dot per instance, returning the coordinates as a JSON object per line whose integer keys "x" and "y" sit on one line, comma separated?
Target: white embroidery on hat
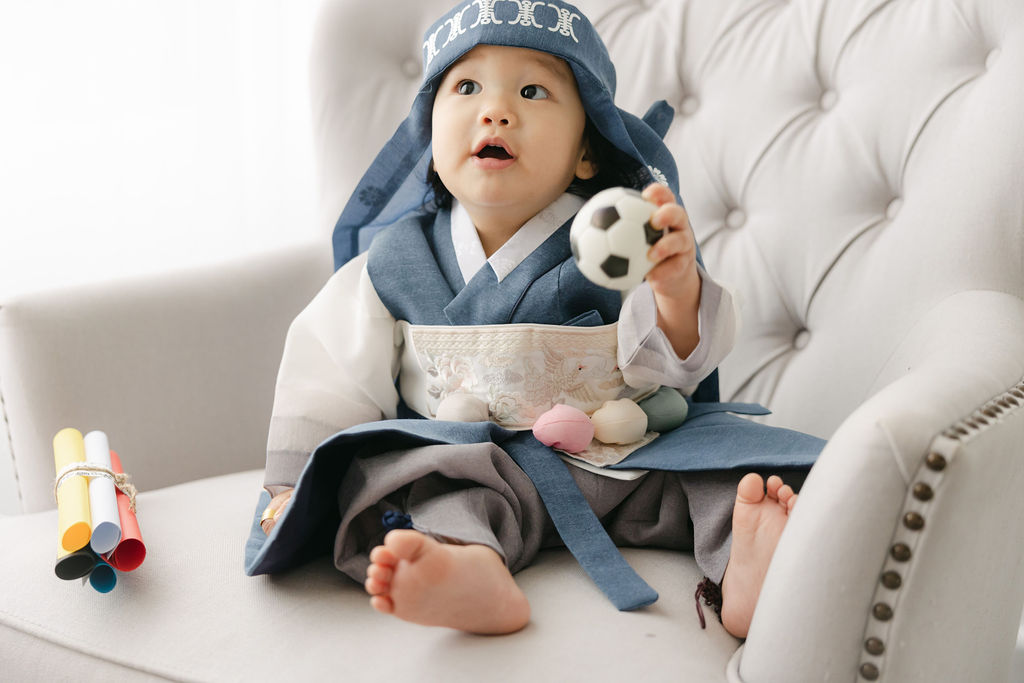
{"x": 526, "y": 18}
{"x": 430, "y": 47}
{"x": 526, "y": 13}
{"x": 658, "y": 175}
{"x": 456, "y": 25}
{"x": 564, "y": 25}
{"x": 486, "y": 15}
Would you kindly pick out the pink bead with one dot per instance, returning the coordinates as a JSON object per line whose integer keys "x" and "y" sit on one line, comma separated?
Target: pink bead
{"x": 564, "y": 427}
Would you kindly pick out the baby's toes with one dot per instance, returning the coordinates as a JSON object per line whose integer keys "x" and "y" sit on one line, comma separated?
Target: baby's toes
{"x": 380, "y": 572}
{"x": 376, "y": 586}
{"x": 773, "y": 486}
{"x": 784, "y": 495}
{"x": 382, "y": 604}
{"x": 382, "y": 555}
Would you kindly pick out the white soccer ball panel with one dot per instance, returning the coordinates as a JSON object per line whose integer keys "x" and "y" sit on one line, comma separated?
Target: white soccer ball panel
{"x": 634, "y": 209}
{"x": 592, "y": 251}
{"x": 627, "y": 239}
{"x": 609, "y": 239}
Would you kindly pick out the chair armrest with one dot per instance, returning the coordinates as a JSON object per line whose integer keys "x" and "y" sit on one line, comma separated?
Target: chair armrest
{"x": 178, "y": 368}
{"x": 952, "y": 388}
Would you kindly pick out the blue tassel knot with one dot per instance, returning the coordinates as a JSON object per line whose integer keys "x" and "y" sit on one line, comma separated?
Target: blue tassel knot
{"x": 393, "y": 519}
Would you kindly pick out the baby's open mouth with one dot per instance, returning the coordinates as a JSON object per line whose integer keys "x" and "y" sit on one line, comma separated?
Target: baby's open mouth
{"x": 493, "y": 152}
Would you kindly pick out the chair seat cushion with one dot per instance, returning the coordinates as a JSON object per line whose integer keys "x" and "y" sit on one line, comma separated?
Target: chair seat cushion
{"x": 189, "y": 612}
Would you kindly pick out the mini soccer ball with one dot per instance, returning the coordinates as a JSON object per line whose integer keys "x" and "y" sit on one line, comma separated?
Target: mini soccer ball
{"x": 610, "y": 237}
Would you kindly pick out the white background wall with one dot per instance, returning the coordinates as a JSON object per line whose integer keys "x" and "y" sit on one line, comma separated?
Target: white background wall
{"x": 144, "y": 135}
{"x": 141, "y": 135}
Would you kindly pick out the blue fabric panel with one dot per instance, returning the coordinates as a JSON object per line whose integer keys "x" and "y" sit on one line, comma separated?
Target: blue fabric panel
{"x": 713, "y": 439}
{"x": 310, "y": 522}
{"x": 413, "y": 268}
{"x": 579, "y": 527}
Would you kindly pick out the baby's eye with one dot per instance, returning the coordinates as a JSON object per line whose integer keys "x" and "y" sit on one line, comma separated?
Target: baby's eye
{"x": 534, "y": 92}
{"x": 467, "y": 87}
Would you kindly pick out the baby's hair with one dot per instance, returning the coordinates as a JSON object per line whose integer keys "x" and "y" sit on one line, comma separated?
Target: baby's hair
{"x": 615, "y": 168}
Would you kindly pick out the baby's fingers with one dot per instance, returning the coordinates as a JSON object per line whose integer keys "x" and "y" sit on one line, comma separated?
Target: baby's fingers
{"x": 274, "y": 510}
{"x": 670, "y": 216}
{"x": 658, "y": 194}
{"x": 674, "y": 243}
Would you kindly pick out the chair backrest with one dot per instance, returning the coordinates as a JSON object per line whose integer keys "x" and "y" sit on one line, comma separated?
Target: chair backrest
{"x": 847, "y": 164}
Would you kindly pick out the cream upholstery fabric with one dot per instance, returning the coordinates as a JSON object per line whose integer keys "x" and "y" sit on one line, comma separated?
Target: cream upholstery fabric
{"x": 854, "y": 168}
{"x": 189, "y": 614}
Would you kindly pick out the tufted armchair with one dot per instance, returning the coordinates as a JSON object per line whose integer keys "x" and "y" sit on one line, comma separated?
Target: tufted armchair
{"x": 854, "y": 169}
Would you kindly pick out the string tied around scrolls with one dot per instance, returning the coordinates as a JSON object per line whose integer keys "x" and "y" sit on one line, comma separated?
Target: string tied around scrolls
{"x": 84, "y": 469}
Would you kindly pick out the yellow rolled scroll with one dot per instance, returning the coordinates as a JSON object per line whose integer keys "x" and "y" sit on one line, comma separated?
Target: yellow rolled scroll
{"x": 74, "y": 521}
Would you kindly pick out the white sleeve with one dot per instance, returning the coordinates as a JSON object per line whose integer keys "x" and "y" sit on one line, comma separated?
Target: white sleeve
{"x": 338, "y": 370}
{"x": 645, "y": 354}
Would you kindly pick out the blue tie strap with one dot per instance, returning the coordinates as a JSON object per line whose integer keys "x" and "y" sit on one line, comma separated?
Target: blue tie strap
{"x": 579, "y": 527}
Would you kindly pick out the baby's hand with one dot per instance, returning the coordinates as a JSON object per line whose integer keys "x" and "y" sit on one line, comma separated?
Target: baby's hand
{"x": 274, "y": 510}
{"x": 674, "y": 279}
{"x": 676, "y": 253}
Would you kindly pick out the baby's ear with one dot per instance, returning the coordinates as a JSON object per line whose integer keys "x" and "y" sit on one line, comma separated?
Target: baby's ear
{"x": 586, "y": 167}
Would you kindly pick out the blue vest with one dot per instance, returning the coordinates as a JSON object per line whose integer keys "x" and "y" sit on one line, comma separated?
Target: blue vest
{"x": 414, "y": 270}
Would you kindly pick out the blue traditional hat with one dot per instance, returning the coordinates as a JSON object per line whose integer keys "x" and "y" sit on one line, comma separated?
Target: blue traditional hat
{"x": 396, "y": 183}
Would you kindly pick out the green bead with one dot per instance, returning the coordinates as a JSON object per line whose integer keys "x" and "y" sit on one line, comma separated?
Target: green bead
{"x": 665, "y": 410}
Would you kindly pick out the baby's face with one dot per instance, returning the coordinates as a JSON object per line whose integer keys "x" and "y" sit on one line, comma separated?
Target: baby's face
{"x": 508, "y": 131}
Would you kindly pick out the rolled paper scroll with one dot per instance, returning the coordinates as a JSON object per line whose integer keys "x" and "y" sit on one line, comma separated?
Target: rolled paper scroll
{"x": 103, "y": 577}
{"x": 74, "y": 565}
{"x": 74, "y": 523}
{"x": 106, "y": 523}
{"x": 131, "y": 551}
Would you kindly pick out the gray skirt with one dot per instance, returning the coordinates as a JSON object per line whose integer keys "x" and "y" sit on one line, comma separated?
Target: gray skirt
{"x": 475, "y": 493}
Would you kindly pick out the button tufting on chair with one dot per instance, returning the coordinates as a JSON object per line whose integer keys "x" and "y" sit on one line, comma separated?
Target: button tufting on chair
{"x": 992, "y": 57}
{"x": 689, "y": 105}
{"x": 882, "y": 611}
{"x": 893, "y": 208}
{"x": 828, "y": 100}
{"x": 411, "y": 68}
{"x": 802, "y": 339}
{"x": 736, "y": 219}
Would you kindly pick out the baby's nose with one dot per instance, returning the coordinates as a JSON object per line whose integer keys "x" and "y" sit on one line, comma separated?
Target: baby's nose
{"x": 495, "y": 118}
{"x": 499, "y": 116}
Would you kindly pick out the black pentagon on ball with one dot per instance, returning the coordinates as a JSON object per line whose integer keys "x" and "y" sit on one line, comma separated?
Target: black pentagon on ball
{"x": 604, "y": 218}
{"x": 615, "y": 266}
{"x": 651, "y": 233}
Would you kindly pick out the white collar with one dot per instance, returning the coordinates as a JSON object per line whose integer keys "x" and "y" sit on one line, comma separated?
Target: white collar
{"x": 470, "y": 253}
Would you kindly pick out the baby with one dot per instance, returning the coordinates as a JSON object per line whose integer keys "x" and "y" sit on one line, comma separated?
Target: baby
{"x": 517, "y": 123}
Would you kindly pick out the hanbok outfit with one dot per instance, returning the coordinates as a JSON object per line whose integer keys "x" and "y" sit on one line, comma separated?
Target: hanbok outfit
{"x": 415, "y": 314}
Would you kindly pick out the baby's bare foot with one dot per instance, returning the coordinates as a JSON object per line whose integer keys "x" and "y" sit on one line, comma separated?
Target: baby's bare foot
{"x": 757, "y": 523}
{"x": 466, "y": 587}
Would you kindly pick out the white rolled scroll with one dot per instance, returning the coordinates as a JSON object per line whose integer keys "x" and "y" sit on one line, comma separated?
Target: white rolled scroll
{"x": 106, "y": 521}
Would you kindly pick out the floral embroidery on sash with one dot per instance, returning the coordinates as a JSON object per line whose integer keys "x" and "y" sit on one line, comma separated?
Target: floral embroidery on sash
{"x": 519, "y": 371}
